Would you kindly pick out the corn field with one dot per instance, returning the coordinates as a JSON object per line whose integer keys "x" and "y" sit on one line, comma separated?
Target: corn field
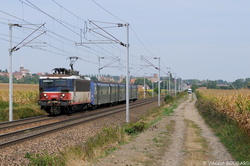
{"x": 233, "y": 103}
{"x": 22, "y": 93}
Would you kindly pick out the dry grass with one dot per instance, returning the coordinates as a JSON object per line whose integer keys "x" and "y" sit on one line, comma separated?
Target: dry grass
{"x": 5, "y": 86}
{"x": 99, "y": 146}
{"x": 25, "y": 98}
{"x": 22, "y": 93}
{"x": 196, "y": 147}
{"x": 227, "y": 113}
{"x": 233, "y": 103}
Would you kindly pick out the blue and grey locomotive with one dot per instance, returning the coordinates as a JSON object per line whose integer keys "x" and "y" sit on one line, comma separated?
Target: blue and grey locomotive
{"x": 65, "y": 91}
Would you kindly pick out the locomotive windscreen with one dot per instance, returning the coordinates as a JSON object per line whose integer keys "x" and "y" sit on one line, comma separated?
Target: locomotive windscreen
{"x": 60, "y": 83}
{"x": 52, "y": 83}
{"x": 48, "y": 83}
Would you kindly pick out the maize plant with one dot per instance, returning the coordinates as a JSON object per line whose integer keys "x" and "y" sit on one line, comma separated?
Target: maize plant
{"x": 235, "y": 104}
{"x": 22, "y": 93}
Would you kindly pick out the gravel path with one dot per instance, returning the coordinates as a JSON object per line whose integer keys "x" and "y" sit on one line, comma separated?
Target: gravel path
{"x": 219, "y": 152}
{"x": 180, "y": 139}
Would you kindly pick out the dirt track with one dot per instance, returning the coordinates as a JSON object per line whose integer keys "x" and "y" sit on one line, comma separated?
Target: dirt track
{"x": 180, "y": 139}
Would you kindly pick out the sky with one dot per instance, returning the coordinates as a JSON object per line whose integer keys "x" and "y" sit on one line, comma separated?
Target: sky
{"x": 195, "y": 39}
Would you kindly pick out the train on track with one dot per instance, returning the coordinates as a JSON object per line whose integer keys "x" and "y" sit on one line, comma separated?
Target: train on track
{"x": 65, "y": 91}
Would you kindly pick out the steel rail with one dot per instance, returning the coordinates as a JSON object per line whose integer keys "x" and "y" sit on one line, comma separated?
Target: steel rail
{"x": 24, "y": 121}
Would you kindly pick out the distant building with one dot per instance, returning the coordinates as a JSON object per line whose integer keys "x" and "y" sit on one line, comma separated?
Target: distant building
{"x": 222, "y": 85}
{"x": 146, "y": 87}
{"x": 4, "y": 74}
{"x": 154, "y": 78}
{"x": 41, "y": 74}
{"x": 121, "y": 78}
{"x": 107, "y": 79}
{"x": 22, "y": 73}
{"x": 132, "y": 80}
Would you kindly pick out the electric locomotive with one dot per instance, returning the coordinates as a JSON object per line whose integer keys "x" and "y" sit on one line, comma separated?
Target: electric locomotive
{"x": 65, "y": 91}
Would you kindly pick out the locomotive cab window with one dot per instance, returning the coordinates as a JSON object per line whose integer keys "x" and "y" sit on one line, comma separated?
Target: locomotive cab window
{"x": 47, "y": 83}
{"x": 60, "y": 82}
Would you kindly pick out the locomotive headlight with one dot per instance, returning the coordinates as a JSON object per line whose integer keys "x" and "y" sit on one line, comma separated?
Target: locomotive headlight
{"x": 45, "y": 95}
{"x": 62, "y": 95}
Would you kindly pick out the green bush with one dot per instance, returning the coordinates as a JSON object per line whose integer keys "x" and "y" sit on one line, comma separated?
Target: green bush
{"x": 181, "y": 94}
{"x": 167, "y": 111}
{"x": 168, "y": 99}
{"x": 44, "y": 160}
{"x": 21, "y": 112}
{"x": 5, "y": 104}
{"x": 134, "y": 128}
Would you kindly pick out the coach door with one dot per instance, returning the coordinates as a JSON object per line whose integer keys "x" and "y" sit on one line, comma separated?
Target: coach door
{"x": 74, "y": 97}
{"x": 95, "y": 94}
{"x": 98, "y": 94}
{"x": 110, "y": 93}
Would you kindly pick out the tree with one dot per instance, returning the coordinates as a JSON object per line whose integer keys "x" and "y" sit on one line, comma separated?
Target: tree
{"x": 222, "y": 82}
{"x": 4, "y": 79}
{"x": 116, "y": 78}
{"x": 194, "y": 87}
{"x": 238, "y": 84}
{"x": 93, "y": 78}
{"x": 212, "y": 85}
{"x": 140, "y": 81}
{"x": 156, "y": 90}
{"x": 247, "y": 83}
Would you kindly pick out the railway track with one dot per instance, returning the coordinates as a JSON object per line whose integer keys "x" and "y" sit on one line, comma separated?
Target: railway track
{"x": 29, "y": 133}
{"x": 12, "y": 124}
{"x": 22, "y": 124}
{"x": 5, "y": 125}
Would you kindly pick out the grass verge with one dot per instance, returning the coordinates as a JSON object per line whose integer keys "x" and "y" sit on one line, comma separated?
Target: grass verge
{"x": 234, "y": 139}
{"x": 101, "y": 145}
{"x": 19, "y": 111}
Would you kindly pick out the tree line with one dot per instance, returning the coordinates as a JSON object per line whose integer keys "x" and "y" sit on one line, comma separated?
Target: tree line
{"x": 220, "y": 84}
{"x": 195, "y": 83}
{"x": 29, "y": 79}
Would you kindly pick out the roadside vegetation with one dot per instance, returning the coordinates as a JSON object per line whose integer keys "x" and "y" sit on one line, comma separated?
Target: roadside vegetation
{"x": 227, "y": 112}
{"x": 106, "y": 141}
{"x": 24, "y": 101}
